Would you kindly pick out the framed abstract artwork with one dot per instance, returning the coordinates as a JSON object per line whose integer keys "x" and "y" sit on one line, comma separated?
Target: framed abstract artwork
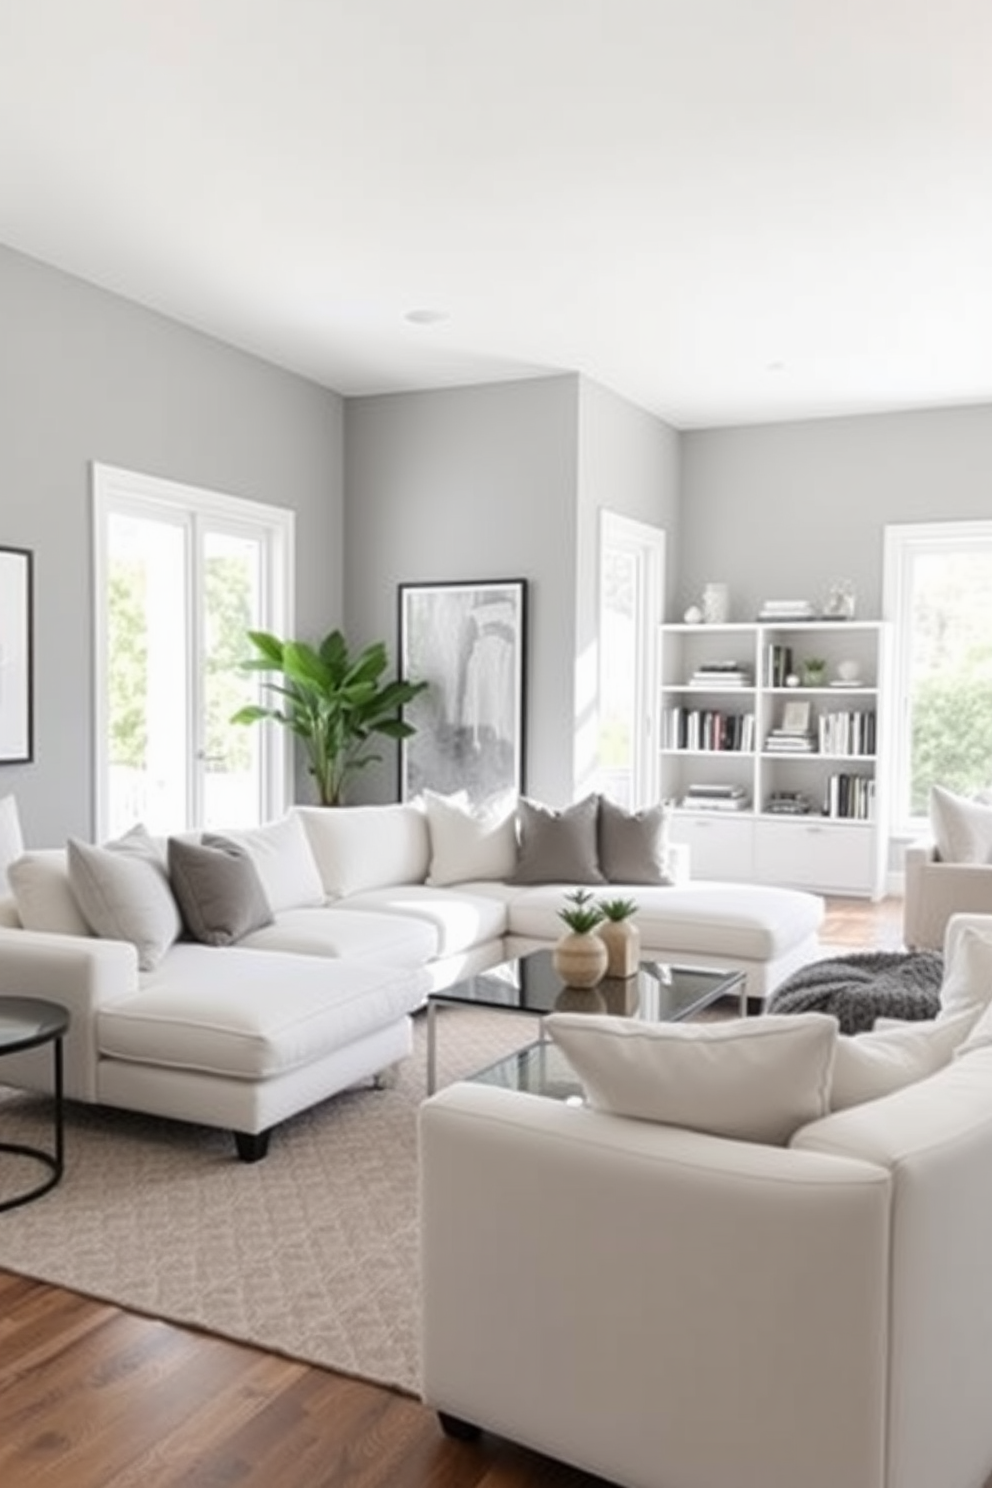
{"x": 16, "y": 639}
{"x": 469, "y": 643}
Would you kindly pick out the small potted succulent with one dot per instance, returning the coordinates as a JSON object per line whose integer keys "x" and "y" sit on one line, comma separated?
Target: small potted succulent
{"x": 580, "y": 957}
{"x": 620, "y": 936}
{"x": 814, "y": 671}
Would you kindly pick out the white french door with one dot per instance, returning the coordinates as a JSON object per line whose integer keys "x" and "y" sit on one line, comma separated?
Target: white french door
{"x": 631, "y": 606}
{"x": 180, "y": 576}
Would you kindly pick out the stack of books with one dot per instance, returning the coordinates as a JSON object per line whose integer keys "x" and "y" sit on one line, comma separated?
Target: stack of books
{"x": 716, "y": 674}
{"x": 716, "y": 798}
{"x": 786, "y": 741}
{"x": 786, "y": 611}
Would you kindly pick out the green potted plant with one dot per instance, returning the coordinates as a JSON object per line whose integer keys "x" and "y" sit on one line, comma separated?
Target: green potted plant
{"x": 814, "y": 671}
{"x": 620, "y": 936}
{"x": 579, "y": 956}
{"x": 332, "y": 701}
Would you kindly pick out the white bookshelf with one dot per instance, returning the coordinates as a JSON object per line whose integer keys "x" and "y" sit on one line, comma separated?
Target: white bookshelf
{"x": 721, "y": 731}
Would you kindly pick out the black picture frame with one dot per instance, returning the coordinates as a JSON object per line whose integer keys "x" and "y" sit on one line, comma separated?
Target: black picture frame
{"x": 468, "y": 641}
{"x": 16, "y": 656}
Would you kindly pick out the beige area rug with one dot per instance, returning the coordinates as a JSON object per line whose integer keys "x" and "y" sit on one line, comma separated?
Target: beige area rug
{"x": 311, "y": 1253}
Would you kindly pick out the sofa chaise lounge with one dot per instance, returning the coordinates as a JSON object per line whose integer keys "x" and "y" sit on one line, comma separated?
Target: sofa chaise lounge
{"x": 368, "y": 910}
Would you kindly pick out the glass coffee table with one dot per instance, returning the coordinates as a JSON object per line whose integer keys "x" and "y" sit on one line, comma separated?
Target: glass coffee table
{"x": 658, "y": 992}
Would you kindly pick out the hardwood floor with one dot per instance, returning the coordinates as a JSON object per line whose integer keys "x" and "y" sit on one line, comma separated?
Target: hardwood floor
{"x": 95, "y": 1397}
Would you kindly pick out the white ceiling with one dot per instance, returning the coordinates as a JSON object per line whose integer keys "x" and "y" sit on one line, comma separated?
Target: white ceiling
{"x": 725, "y": 210}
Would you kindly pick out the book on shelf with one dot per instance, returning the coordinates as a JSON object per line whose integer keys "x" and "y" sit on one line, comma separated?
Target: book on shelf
{"x": 778, "y": 664}
{"x": 787, "y": 610}
{"x": 718, "y": 797}
{"x": 788, "y": 741}
{"x": 851, "y": 732}
{"x": 721, "y": 674}
{"x": 851, "y": 797}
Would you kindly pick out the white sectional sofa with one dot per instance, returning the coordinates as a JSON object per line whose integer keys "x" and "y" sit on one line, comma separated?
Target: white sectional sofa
{"x": 699, "y": 1304}
{"x": 366, "y": 912}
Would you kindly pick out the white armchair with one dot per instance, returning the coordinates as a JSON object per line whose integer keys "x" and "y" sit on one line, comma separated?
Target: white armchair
{"x": 935, "y": 890}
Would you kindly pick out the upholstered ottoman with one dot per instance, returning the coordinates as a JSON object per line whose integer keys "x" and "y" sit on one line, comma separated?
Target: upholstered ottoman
{"x": 243, "y": 1039}
{"x": 764, "y": 931}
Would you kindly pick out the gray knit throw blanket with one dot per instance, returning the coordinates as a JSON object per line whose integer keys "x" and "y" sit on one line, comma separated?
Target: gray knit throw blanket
{"x": 858, "y": 989}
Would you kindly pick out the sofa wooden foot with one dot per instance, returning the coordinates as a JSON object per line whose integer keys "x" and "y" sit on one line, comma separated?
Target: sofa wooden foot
{"x": 387, "y": 1078}
{"x": 252, "y": 1146}
{"x": 455, "y": 1427}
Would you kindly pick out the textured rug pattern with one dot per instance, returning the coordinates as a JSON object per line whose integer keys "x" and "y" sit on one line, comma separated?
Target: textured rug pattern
{"x": 311, "y": 1253}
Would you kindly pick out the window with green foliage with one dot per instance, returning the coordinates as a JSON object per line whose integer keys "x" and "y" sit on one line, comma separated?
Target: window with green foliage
{"x": 939, "y": 596}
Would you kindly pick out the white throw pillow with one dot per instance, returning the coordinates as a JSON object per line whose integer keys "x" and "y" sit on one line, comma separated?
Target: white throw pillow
{"x": 11, "y": 840}
{"x": 870, "y": 1065}
{"x": 962, "y": 828}
{"x": 367, "y": 847}
{"x": 122, "y": 889}
{"x": 469, "y": 844}
{"x": 968, "y": 974}
{"x": 285, "y": 862}
{"x": 39, "y": 882}
{"x": 756, "y": 1079}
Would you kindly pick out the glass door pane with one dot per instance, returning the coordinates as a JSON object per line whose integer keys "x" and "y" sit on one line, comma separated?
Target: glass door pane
{"x": 229, "y": 758}
{"x": 147, "y": 676}
{"x": 619, "y": 710}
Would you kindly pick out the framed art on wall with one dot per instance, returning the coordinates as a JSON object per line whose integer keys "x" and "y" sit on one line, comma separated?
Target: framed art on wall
{"x": 16, "y": 725}
{"x": 468, "y": 642}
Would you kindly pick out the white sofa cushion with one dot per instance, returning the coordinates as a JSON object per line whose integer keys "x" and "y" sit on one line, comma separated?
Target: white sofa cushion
{"x": 962, "y": 828}
{"x": 39, "y": 882}
{"x": 757, "y": 1079}
{"x": 282, "y": 854}
{"x": 458, "y": 918}
{"x": 11, "y": 840}
{"x": 337, "y": 930}
{"x": 469, "y": 843}
{"x": 967, "y": 979}
{"x": 366, "y": 847}
{"x": 253, "y": 1015}
{"x": 751, "y": 921}
{"x": 122, "y": 889}
{"x": 870, "y": 1065}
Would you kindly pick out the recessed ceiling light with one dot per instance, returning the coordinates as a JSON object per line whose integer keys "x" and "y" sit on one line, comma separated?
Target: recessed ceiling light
{"x": 425, "y": 317}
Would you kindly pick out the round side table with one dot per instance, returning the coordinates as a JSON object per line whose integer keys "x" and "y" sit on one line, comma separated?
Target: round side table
{"x": 26, "y": 1023}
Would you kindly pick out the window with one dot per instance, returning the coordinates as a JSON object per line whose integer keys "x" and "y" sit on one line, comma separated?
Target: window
{"x": 938, "y": 593}
{"x": 180, "y": 575}
{"x": 631, "y": 576}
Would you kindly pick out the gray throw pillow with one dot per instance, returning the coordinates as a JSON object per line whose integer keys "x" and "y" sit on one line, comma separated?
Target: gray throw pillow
{"x": 633, "y": 845}
{"x": 123, "y": 893}
{"x": 217, "y": 888}
{"x": 557, "y": 846}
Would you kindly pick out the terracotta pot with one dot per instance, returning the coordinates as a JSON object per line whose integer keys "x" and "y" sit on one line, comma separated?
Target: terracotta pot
{"x": 580, "y": 960}
{"x": 622, "y": 940}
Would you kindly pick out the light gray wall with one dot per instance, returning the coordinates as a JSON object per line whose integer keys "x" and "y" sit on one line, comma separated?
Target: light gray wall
{"x": 783, "y": 510}
{"x": 629, "y": 463}
{"x": 503, "y": 480}
{"x": 470, "y": 483}
{"x": 86, "y": 375}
